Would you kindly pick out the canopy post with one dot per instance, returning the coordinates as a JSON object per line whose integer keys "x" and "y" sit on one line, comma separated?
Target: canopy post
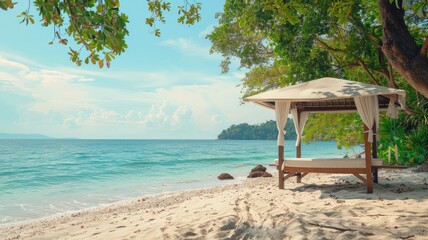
{"x": 282, "y": 108}
{"x": 298, "y": 155}
{"x": 374, "y": 143}
{"x": 374, "y": 154}
{"x": 299, "y": 149}
{"x": 368, "y": 157}
{"x": 280, "y": 163}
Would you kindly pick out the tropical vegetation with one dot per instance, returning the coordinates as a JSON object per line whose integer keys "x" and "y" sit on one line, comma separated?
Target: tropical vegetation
{"x": 263, "y": 131}
{"x": 285, "y": 42}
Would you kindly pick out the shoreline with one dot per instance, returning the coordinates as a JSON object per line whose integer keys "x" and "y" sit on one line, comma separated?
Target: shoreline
{"x": 87, "y": 175}
{"x": 329, "y": 206}
{"x": 120, "y": 202}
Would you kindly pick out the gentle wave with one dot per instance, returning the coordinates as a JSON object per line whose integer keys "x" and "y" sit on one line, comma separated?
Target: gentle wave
{"x": 42, "y": 178}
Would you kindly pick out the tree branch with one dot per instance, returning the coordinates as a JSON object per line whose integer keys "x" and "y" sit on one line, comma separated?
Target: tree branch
{"x": 329, "y": 47}
{"x": 358, "y": 60}
{"x": 72, "y": 20}
{"x": 391, "y": 81}
{"x": 424, "y": 48}
{"x": 382, "y": 63}
{"x": 381, "y": 72}
{"x": 342, "y": 66}
{"x": 363, "y": 64}
{"x": 365, "y": 33}
{"x": 386, "y": 72}
{"x": 401, "y": 49}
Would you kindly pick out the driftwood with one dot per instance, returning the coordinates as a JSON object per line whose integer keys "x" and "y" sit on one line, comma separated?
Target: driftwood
{"x": 403, "y": 216}
{"x": 331, "y": 227}
{"x": 407, "y": 237}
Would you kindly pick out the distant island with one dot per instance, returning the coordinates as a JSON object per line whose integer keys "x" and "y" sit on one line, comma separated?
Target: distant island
{"x": 23, "y": 136}
{"x": 263, "y": 131}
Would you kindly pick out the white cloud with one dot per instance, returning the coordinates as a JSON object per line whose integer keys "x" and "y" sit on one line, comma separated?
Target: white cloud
{"x": 182, "y": 113}
{"x": 186, "y": 46}
{"x": 63, "y": 103}
{"x": 191, "y": 48}
{"x": 215, "y": 119}
{"x": 157, "y": 114}
{"x": 8, "y": 78}
{"x": 12, "y": 64}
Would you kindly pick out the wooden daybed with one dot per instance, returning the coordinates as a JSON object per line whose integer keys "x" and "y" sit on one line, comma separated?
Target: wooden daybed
{"x": 300, "y": 167}
{"x": 330, "y": 95}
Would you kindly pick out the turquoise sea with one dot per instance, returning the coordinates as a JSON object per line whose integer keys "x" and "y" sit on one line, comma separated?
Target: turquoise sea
{"x": 39, "y": 178}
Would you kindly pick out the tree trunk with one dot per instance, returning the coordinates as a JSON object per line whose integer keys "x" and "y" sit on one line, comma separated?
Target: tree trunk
{"x": 401, "y": 49}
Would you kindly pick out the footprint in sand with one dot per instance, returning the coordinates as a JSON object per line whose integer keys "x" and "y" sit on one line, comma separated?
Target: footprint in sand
{"x": 230, "y": 224}
{"x": 189, "y": 234}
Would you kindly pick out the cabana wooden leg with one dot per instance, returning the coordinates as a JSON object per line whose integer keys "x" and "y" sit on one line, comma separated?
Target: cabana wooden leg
{"x": 298, "y": 154}
{"x": 280, "y": 163}
{"x": 369, "y": 183}
{"x": 303, "y": 175}
{"x": 374, "y": 154}
{"x": 361, "y": 178}
{"x": 299, "y": 177}
{"x": 289, "y": 175}
{"x": 375, "y": 175}
{"x": 368, "y": 156}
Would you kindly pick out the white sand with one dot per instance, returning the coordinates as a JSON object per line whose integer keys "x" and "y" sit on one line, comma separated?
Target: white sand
{"x": 321, "y": 207}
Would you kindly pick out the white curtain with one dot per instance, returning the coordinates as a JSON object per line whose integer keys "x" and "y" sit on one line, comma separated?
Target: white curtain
{"x": 376, "y": 114}
{"x": 402, "y": 101}
{"x": 392, "y": 108}
{"x": 368, "y": 108}
{"x": 299, "y": 123}
{"x": 282, "y": 108}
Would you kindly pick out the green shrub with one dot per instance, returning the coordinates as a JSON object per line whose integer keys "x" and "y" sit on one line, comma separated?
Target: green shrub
{"x": 411, "y": 145}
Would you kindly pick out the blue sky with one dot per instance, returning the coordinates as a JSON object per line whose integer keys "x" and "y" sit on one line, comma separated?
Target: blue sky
{"x": 160, "y": 88}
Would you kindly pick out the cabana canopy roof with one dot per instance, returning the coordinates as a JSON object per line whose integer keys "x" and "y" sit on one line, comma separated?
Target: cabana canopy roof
{"x": 328, "y": 95}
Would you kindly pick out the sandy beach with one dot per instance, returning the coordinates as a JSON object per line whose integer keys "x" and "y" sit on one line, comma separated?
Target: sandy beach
{"x": 321, "y": 207}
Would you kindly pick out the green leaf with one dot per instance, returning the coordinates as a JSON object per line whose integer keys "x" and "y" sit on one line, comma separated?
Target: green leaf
{"x": 107, "y": 57}
{"x": 150, "y": 21}
{"x": 115, "y": 3}
{"x": 101, "y": 63}
{"x": 6, "y": 4}
{"x": 181, "y": 19}
{"x": 294, "y": 20}
{"x": 99, "y": 8}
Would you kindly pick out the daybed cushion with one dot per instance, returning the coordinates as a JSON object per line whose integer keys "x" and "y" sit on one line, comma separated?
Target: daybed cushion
{"x": 329, "y": 162}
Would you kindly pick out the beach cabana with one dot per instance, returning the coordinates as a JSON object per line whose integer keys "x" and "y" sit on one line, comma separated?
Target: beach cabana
{"x": 330, "y": 95}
